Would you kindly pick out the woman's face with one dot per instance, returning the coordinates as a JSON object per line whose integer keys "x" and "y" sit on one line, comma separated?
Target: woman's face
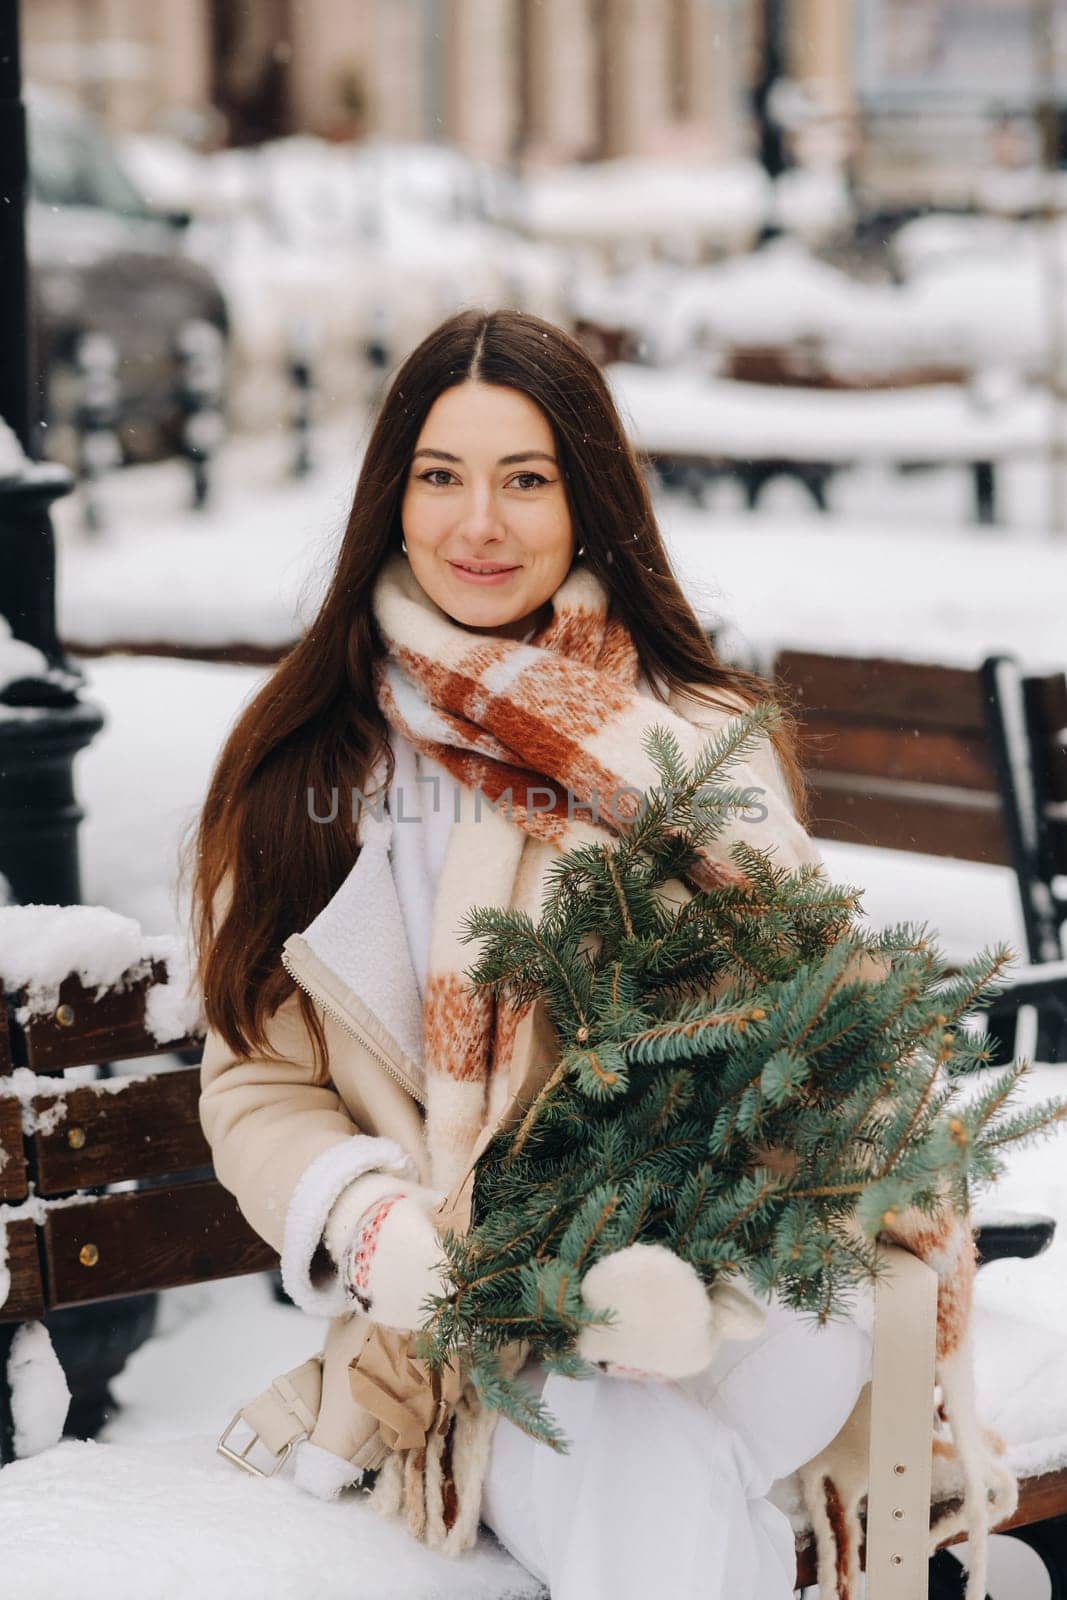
{"x": 484, "y": 491}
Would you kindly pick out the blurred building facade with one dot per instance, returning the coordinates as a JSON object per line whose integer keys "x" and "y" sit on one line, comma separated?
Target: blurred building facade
{"x": 523, "y": 82}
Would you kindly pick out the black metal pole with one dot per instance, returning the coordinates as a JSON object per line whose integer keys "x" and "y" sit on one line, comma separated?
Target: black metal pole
{"x": 43, "y": 724}
{"x": 772, "y": 150}
{"x": 14, "y": 277}
{"x": 27, "y": 567}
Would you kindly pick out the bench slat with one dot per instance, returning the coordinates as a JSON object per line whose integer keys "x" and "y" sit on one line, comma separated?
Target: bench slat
{"x": 12, "y": 1157}
{"x": 1039, "y": 1498}
{"x": 831, "y": 744}
{"x": 896, "y": 693}
{"x": 111, "y": 1028}
{"x": 149, "y": 1239}
{"x": 25, "y": 1297}
{"x": 894, "y": 820}
{"x": 145, "y": 1129}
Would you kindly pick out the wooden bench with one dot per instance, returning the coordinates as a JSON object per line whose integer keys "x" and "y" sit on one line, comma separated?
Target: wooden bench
{"x": 73, "y": 1240}
{"x": 949, "y": 761}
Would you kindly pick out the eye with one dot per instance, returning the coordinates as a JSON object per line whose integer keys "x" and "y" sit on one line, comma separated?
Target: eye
{"x": 432, "y": 473}
{"x": 536, "y": 476}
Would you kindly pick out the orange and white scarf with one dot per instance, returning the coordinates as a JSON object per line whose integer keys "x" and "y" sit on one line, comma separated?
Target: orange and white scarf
{"x": 537, "y": 734}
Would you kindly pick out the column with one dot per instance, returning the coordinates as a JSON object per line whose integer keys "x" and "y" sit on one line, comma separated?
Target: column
{"x": 481, "y": 76}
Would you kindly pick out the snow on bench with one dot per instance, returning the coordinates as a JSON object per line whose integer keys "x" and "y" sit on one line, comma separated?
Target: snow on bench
{"x": 671, "y": 412}
{"x": 41, "y": 946}
{"x": 171, "y": 1520}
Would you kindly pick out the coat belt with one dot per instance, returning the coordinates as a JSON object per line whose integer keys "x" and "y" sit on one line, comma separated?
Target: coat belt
{"x": 410, "y": 1399}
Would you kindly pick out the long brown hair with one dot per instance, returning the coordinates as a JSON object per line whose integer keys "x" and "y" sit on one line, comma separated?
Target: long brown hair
{"x": 315, "y": 724}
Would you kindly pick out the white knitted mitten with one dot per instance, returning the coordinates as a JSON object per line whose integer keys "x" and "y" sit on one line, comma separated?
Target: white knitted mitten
{"x": 667, "y": 1323}
{"x": 388, "y": 1252}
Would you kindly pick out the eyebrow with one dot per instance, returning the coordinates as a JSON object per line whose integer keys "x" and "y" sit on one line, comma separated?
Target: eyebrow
{"x": 505, "y": 461}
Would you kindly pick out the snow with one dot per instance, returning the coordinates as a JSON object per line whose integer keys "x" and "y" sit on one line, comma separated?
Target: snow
{"x": 39, "y": 1392}
{"x": 153, "y": 1509}
{"x": 173, "y": 1520}
{"x": 17, "y": 658}
{"x": 637, "y": 199}
{"x": 28, "y": 1087}
{"x": 41, "y": 945}
{"x": 1021, "y": 1380}
{"x": 895, "y": 581}
{"x": 974, "y": 297}
{"x": 248, "y": 569}
{"x": 143, "y": 779}
{"x": 684, "y": 412}
{"x": 12, "y": 459}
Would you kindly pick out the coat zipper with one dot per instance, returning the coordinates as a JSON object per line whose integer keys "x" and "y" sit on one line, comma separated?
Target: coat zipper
{"x": 346, "y": 1023}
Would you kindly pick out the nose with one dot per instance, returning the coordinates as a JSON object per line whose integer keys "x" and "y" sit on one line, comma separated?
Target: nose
{"x": 480, "y": 518}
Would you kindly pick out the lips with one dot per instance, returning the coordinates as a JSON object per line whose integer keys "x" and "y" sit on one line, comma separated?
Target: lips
{"x": 484, "y": 571}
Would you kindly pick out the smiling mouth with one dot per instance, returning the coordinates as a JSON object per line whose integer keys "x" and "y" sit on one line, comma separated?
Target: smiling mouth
{"x": 465, "y": 566}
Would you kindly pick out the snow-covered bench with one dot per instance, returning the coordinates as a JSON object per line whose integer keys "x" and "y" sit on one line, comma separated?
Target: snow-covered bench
{"x": 949, "y": 761}
{"x": 693, "y": 428}
{"x": 106, "y": 1186}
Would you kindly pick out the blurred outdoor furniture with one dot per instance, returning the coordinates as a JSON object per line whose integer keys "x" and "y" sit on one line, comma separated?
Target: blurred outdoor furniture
{"x": 242, "y": 654}
{"x": 695, "y": 429}
{"x": 605, "y": 343}
{"x": 810, "y": 363}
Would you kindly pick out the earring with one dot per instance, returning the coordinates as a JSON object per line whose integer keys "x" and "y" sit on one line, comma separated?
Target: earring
{"x": 579, "y": 552}
{"x": 403, "y": 546}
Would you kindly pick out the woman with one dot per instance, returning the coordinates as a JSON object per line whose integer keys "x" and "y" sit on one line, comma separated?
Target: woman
{"x": 502, "y": 620}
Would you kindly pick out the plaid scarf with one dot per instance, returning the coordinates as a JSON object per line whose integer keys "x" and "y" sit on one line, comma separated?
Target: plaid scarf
{"x": 545, "y": 738}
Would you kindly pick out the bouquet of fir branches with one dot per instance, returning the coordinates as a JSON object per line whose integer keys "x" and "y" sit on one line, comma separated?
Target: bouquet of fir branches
{"x": 749, "y": 1083}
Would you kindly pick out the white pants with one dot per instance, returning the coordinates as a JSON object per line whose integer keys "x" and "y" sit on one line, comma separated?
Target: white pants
{"x": 662, "y": 1490}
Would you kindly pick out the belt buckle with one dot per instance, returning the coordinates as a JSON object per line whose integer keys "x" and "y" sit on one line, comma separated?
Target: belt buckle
{"x": 240, "y": 1457}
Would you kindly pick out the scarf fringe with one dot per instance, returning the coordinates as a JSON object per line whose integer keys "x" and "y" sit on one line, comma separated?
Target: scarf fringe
{"x": 969, "y": 1472}
{"x": 414, "y": 1484}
